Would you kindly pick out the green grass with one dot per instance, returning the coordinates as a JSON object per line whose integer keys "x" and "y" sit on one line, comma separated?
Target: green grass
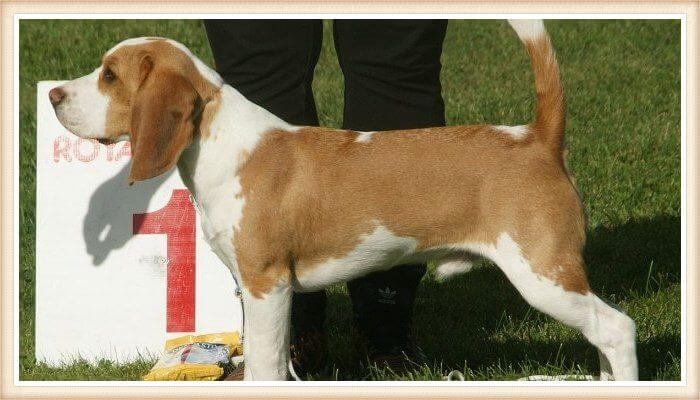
{"x": 622, "y": 81}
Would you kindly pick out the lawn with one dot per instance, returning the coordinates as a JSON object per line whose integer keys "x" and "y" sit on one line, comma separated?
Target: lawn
{"x": 623, "y": 85}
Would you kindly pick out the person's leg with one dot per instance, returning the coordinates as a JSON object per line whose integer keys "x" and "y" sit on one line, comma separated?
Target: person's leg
{"x": 271, "y": 62}
{"x": 392, "y": 73}
{"x": 392, "y": 81}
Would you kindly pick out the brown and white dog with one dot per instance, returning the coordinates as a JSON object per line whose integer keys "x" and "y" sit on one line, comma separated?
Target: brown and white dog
{"x": 301, "y": 208}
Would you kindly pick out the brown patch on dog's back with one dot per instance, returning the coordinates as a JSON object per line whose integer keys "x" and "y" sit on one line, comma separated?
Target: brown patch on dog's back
{"x": 310, "y": 196}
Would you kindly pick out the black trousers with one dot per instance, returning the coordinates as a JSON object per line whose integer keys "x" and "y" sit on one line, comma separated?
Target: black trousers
{"x": 392, "y": 81}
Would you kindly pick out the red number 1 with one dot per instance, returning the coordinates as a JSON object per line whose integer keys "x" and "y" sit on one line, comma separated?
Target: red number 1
{"x": 176, "y": 220}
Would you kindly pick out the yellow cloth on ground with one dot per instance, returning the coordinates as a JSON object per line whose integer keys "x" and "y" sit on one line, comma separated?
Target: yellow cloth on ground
{"x": 196, "y": 358}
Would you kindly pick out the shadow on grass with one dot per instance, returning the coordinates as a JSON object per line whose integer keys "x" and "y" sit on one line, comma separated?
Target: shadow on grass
{"x": 619, "y": 259}
{"x": 480, "y": 319}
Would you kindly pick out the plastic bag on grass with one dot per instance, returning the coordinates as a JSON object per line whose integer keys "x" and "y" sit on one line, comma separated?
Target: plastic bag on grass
{"x": 196, "y": 358}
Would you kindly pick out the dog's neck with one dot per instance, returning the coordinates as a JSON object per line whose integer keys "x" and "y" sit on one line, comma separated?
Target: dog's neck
{"x": 230, "y": 129}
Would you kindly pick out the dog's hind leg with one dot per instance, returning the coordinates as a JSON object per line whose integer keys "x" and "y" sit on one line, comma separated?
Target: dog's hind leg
{"x": 561, "y": 291}
{"x": 614, "y": 334}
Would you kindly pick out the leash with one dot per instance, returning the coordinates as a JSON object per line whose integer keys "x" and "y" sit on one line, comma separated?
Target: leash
{"x": 556, "y": 378}
{"x": 236, "y": 293}
{"x": 458, "y": 376}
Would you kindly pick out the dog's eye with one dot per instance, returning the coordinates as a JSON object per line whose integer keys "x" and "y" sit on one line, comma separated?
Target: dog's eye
{"x": 109, "y": 76}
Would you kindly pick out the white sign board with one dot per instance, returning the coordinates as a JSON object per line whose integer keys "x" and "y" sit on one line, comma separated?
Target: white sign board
{"x": 119, "y": 269}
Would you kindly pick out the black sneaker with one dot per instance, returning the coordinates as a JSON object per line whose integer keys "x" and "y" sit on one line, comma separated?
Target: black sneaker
{"x": 236, "y": 374}
{"x": 382, "y": 313}
{"x": 309, "y": 353}
{"x": 309, "y": 348}
{"x": 401, "y": 355}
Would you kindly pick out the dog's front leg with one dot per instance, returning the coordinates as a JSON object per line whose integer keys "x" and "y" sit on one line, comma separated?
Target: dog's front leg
{"x": 266, "y": 333}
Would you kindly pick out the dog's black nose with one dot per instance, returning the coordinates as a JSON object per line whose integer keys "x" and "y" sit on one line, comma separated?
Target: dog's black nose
{"x": 56, "y": 95}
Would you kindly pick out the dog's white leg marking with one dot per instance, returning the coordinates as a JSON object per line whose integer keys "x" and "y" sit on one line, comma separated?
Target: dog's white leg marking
{"x": 614, "y": 334}
{"x": 611, "y": 331}
{"x": 606, "y": 373}
{"x": 266, "y": 334}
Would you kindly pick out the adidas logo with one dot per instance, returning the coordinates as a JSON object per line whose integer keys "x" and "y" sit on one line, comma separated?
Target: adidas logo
{"x": 387, "y": 296}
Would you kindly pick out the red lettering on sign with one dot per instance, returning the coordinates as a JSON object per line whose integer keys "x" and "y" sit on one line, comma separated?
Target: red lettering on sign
{"x": 124, "y": 151}
{"x": 61, "y": 148}
{"x": 176, "y": 220}
{"x": 93, "y": 146}
{"x": 110, "y": 151}
{"x": 87, "y": 150}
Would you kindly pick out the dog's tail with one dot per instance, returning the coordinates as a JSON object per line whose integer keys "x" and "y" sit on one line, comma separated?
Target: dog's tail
{"x": 550, "y": 109}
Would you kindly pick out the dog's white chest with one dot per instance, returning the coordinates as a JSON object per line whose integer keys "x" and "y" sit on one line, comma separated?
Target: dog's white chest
{"x": 217, "y": 193}
{"x": 221, "y": 210}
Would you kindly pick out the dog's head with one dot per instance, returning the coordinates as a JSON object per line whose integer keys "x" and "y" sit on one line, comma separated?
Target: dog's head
{"x": 147, "y": 90}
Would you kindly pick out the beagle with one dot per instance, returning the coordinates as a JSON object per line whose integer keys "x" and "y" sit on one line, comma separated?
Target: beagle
{"x": 300, "y": 208}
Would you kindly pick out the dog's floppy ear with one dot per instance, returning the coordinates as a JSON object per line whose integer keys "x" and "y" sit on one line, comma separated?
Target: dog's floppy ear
{"x": 162, "y": 120}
